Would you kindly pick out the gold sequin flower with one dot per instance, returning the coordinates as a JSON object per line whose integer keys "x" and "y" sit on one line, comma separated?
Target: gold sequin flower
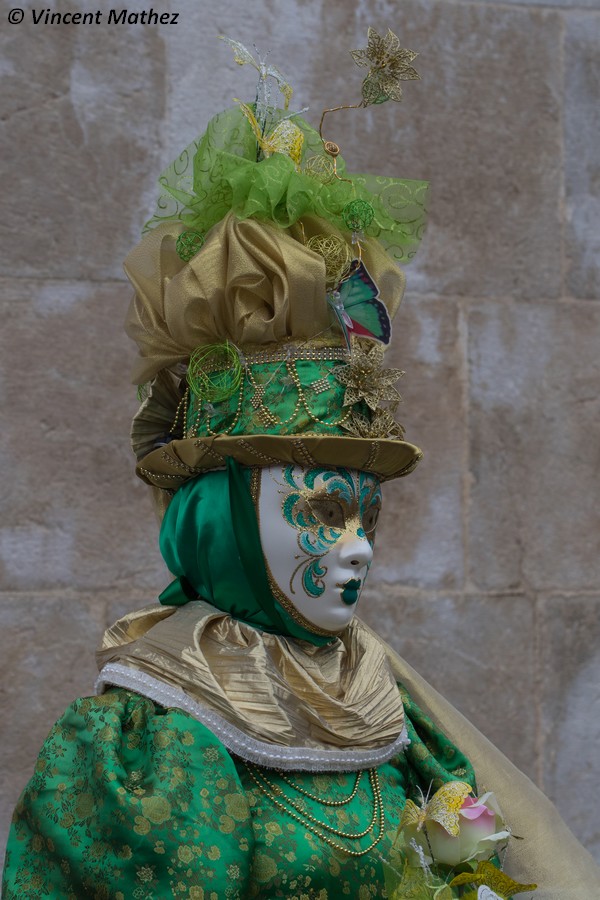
{"x": 365, "y": 379}
{"x": 388, "y": 63}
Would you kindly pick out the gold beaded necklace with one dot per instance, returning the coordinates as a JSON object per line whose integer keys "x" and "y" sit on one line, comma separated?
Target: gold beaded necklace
{"x": 276, "y": 795}
{"x": 320, "y": 800}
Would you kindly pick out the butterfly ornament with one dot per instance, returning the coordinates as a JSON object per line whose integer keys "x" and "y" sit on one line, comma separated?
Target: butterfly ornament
{"x": 358, "y": 308}
{"x": 443, "y": 808}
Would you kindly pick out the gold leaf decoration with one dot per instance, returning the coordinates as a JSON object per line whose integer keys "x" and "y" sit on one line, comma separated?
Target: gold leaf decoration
{"x": 488, "y": 875}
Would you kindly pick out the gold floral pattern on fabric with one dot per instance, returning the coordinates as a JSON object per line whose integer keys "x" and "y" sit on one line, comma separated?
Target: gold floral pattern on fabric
{"x": 290, "y": 861}
{"x": 432, "y": 759}
{"x": 131, "y": 801}
{"x": 292, "y": 396}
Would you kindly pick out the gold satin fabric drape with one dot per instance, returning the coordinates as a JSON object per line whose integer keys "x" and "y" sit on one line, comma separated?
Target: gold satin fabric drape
{"x": 253, "y": 284}
{"x": 274, "y": 689}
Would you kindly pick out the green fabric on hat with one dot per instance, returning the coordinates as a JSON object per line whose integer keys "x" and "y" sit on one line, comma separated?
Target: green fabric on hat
{"x": 320, "y": 413}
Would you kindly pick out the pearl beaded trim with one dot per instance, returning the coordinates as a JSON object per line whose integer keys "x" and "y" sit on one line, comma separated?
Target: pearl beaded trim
{"x": 261, "y": 753}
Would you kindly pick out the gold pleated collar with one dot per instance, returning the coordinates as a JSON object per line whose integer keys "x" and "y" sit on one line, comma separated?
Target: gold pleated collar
{"x": 272, "y": 700}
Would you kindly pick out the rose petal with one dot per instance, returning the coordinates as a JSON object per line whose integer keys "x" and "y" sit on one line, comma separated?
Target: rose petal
{"x": 476, "y": 811}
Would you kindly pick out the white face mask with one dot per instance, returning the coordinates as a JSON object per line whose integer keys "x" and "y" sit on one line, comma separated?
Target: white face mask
{"x": 317, "y": 529}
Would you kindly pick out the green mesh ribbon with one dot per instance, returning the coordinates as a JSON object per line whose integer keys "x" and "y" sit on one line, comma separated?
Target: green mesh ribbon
{"x": 219, "y": 173}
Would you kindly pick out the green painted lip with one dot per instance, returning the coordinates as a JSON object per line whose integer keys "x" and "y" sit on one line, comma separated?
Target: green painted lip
{"x": 350, "y": 592}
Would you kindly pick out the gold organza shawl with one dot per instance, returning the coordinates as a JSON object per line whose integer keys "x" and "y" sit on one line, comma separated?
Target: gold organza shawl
{"x": 549, "y": 855}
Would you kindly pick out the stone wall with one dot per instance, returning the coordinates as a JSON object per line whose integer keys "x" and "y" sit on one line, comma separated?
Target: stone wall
{"x": 487, "y": 578}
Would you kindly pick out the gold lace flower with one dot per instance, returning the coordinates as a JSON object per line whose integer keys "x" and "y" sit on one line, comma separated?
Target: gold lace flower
{"x": 380, "y": 425}
{"x": 365, "y": 379}
{"x": 388, "y": 63}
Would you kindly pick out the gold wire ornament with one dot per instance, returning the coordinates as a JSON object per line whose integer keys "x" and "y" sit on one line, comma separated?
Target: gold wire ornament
{"x": 336, "y": 253}
{"x": 215, "y": 372}
{"x": 388, "y": 65}
{"x": 381, "y": 424}
{"x": 365, "y": 379}
{"x": 322, "y": 168}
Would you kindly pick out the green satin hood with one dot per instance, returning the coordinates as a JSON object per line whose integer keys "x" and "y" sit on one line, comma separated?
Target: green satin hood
{"x": 210, "y": 541}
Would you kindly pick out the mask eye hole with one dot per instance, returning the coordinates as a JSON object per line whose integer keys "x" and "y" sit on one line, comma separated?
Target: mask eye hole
{"x": 370, "y": 519}
{"x": 328, "y": 511}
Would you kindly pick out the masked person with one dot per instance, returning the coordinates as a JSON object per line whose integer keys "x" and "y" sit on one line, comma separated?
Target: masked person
{"x": 250, "y": 736}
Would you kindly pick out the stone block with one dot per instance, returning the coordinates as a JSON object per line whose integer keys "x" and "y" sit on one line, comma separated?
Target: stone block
{"x": 80, "y": 147}
{"x": 47, "y": 645}
{"x": 564, "y": 5}
{"x": 477, "y": 650}
{"x": 120, "y": 605}
{"x": 483, "y": 126}
{"x": 533, "y": 425}
{"x": 582, "y": 160}
{"x": 75, "y": 514}
{"x": 419, "y": 538}
{"x": 570, "y": 710}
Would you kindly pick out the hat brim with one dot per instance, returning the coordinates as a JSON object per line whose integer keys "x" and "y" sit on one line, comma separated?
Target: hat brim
{"x": 171, "y": 465}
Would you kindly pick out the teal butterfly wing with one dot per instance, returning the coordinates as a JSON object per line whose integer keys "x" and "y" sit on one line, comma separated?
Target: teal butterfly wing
{"x": 358, "y": 307}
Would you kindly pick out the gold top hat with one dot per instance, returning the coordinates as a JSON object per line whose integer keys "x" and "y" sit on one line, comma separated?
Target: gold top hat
{"x": 264, "y": 292}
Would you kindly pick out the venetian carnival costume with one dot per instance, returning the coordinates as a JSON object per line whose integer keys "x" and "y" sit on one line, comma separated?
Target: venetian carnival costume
{"x": 240, "y": 743}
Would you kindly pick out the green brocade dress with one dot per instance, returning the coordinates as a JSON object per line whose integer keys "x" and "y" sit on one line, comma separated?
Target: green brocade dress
{"x": 132, "y": 800}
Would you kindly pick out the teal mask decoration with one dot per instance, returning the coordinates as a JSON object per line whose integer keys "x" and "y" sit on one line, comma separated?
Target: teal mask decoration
{"x": 343, "y": 509}
{"x": 210, "y": 541}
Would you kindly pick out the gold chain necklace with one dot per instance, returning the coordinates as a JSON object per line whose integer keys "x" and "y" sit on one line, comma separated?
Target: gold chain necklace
{"x": 320, "y": 800}
{"x": 274, "y": 792}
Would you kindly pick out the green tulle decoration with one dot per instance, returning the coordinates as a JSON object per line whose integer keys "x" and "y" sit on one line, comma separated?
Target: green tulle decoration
{"x": 214, "y": 372}
{"x": 188, "y": 244}
{"x": 220, "y": 173}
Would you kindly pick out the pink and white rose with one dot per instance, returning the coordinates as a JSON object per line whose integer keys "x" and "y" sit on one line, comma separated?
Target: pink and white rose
{"x": 481, "y": 830}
